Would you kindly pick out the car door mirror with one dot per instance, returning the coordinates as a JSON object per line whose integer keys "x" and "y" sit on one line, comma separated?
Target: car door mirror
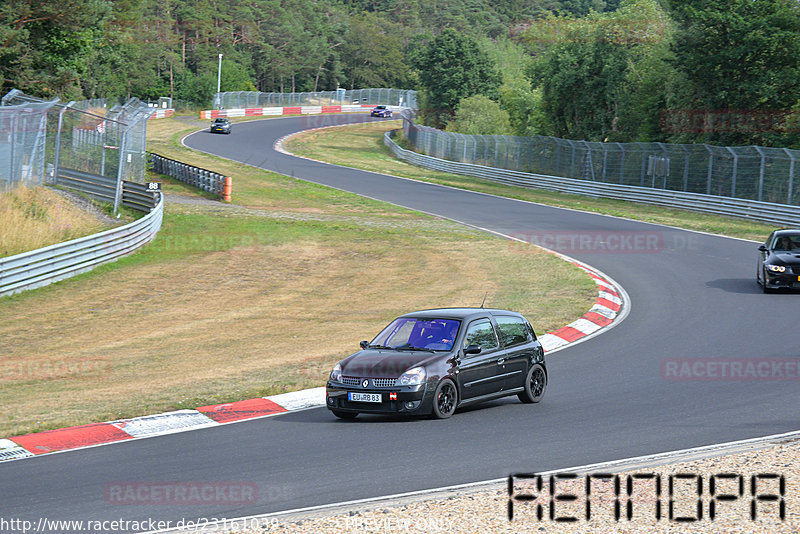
{"x": 364, "y": 344}
{"x": 472, "y": 349}
{"x": 762, "y": 248}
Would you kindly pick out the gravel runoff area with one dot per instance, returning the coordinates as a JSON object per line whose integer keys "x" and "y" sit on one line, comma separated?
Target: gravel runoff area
{"x": 485, "y": 508}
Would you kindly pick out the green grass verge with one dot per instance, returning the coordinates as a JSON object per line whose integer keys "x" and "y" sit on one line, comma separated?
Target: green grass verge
{"x": 362, "y": 147}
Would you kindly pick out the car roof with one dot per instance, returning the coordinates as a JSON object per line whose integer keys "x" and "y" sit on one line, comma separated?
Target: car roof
{"x": 459, "y": 313}
{"x": 221, "y": 119}
{"x": 787, "y": 231}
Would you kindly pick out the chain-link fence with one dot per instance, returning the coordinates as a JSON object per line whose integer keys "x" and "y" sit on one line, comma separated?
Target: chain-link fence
{"x": 746, "y": 172}
{"x": 40, "y": 138}
{"x": 253, "y": 99}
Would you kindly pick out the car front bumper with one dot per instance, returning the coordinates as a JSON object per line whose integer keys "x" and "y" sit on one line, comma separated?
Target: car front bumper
{"x": 777, "y": 280}
{"x": 399, "y": 400}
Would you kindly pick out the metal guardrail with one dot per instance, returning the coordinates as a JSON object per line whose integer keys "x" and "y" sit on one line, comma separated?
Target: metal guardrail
{"x": 781, "y": 214}
{"x": 209, "y": 181}
{"x": 104, "y": 189}
{"x": 50, "y": 264}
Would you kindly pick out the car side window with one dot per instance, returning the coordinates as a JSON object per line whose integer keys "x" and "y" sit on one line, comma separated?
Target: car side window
{"x": 481, "y": 333}
{"x": 513, "y": 330}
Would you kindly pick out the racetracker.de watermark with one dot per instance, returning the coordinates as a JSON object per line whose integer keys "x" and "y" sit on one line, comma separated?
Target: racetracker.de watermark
{"x": 592, "y": 242}
{"x": 729, "y": 121}
{"x": 180, "y": 493}
{"x": 730, "y": 369}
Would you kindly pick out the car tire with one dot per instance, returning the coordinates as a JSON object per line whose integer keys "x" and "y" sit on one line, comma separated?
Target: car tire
{"x": 345, "y": 415}
{"x": 763, "y": 282}
{"x": 535, "y": 385}
{"x": 445, "y": 399}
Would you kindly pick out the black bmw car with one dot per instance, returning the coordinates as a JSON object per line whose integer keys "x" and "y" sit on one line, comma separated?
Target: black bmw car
{"x": 779, "y": 260}
{"x": 434, "y": 361}
{"x": 221, "y": 125}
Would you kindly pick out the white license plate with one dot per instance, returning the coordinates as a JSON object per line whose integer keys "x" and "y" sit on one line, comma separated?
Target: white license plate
{"x": 364, "y": 397}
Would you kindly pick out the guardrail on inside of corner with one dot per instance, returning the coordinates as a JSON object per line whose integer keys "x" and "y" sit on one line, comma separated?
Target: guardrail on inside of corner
{"x": 209, "y": 181}
{"x": 50, "y": 264}
{"x": 781, "y": 214}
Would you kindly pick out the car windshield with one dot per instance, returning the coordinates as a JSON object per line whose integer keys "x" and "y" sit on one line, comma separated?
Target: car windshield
{"x": 411, "y": 333}
{"x": 380, "y": 107}
{"x": 220, "y": 121}
{"x": 787, "y": 243}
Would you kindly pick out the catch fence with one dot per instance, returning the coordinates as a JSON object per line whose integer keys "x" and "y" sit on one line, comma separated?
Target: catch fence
{"x": 38, "y": 138}
{"x": 254, "y": 99}
{"x": 746, "y": 172}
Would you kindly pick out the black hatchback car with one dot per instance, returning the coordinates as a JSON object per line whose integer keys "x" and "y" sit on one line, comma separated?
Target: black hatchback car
{"x": 434, "y": 361}
{"x": 779, "y": 260}
{"x": 221, "y": 125}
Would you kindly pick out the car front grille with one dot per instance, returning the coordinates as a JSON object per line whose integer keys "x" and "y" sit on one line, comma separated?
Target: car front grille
{"x": 384, "y": 382}
{"x": 375, "y": 382}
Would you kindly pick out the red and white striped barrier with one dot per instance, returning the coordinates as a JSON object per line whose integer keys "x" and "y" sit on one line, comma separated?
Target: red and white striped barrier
{"x": 288, "y": 110}
{"x": 162, "y": 113}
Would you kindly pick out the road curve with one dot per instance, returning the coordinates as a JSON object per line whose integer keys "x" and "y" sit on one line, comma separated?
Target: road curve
{"x": 693, "y": 297}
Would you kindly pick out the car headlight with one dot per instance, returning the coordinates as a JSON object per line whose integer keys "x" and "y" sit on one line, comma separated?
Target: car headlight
{"x": 412, "y": 377}
{"x": 336, "y": 374}
{"x": 776, "y": 268}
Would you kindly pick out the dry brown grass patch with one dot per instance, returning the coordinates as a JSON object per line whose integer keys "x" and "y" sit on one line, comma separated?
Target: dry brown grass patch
{"x": 35, "y": 217}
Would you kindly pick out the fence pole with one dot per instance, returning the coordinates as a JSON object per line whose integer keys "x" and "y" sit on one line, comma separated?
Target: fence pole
{"x": 735, "y": 171}
{"x": 710, "y": 168}
{"x": 57, "y": 156}
{"x": 118, "y": 194}
{"x": 761, "y": 173}
{"x": 622, "y": 163}
{"x": 685, "y": 169}
{"x": 642, "y": 172}
{"x": 14, "y": 128}
{"x": 791, "y": 174}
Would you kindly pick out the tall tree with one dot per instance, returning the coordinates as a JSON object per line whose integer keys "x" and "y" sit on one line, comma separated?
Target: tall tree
{"x": 452, "y": 67}
{"x": 740, "y": 55}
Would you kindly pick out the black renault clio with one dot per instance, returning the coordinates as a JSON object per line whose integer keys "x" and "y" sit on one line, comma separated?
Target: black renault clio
{"x": 434, "y": 361}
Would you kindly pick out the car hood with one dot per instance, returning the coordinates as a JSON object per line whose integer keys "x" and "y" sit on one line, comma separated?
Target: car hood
{"x": 786, "y": 258}
{"x": 374, "y": 363}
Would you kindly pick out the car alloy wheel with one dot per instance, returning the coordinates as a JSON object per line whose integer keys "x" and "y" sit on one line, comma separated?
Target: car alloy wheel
{"x": 445, "y": 399}
{"x": 345, "y": 415}
{"x": 535, "y": 385}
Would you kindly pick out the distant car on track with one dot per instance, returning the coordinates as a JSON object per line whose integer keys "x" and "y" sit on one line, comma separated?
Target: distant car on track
{"x": 381, "y": 111}
{"x": 221, "y": 125}
{"x": 434, "y": 361}
{"x": 779, "y": 260}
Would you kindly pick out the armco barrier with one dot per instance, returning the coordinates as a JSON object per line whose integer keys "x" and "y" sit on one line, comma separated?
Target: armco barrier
{"x": 206, "y": 180}
{"x": 101, "y": 188}
{"x": 50, "y": 264}
{"x": 781, "y": 214}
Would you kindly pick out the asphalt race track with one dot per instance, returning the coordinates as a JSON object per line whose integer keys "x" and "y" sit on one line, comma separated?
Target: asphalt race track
{"x": 692, "y": 296}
